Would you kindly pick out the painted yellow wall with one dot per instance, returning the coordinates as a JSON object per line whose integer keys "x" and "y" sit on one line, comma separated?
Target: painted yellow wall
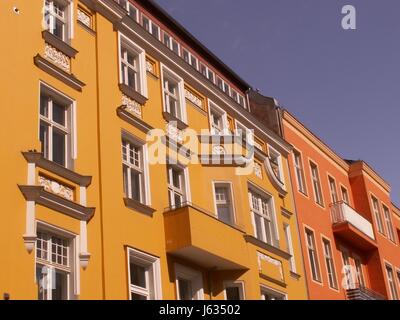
{"x": 114, "y": 226}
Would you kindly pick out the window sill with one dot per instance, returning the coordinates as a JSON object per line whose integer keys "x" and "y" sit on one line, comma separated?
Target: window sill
{"x": 268, "y": 247}
{"x": 170, "y": 118}
{"x": 295, "y": 275}
{"x": 59, "y": 44}
{"x": 138, "y": 206}
{"x": 129, "y": 92}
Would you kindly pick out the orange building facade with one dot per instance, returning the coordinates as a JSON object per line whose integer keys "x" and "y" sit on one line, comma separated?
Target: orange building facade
{"x": 349, "y": 228}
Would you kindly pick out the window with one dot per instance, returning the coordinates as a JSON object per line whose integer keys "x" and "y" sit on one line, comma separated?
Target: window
{"x": 173, "y": 91}
{"x": 348, "y": 270}
{"x": 263, "y": 216}
{"x": 345, "y": 195}
{"x": 234, "y": 291}
{"x": 316, "y": 184}
{"x": 151, "y": 27}
{"x": 56, "y": 18}
{"x": 360, "y": 273}
{"x": 330, "y": 265}
{"x": 132, "y": 70}
{"x": 144, "y": 276}
{"x": 377, "y": 214}
{"x": 270, "y": 294}
{"x": 289, "y": 247}
{"x": 223, "y": 202}
{"x": 177, "y": 185}
{"x": 398, "y": 279}
{"x": 218, "y": 120}
{"x": 241, "y": 101}
{"x": 392, "y": 285}
{"x": 223, "y": 85}
{"x": 389, "y": 225}
{"x": 56, "y": 127}
{"x": 210, "y": 75}
{"x": 202, "y": 69}
{"x": 132, "y": 10}
{"x": 332, "y": 189}
{"x": 275, "y": 160}
{"x": 133, "y": 171}
{"x": 54, "y": 267}
{"x": 298, "y": 165}
{"x": 189, "y": 283}
{"x": 312, "y": 255}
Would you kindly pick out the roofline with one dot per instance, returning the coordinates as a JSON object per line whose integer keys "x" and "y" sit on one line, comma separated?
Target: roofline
{"x": 152, "y": 6}
{"x": 331, "y": 153}
{"x": 367, "y": 168}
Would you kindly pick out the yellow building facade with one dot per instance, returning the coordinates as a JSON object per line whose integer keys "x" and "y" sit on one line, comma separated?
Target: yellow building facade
{"x": 141, "y": 167}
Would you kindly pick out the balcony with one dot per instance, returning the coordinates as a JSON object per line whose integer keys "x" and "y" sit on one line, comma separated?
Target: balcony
{"x": 350, "y": 226}
{"x": 198, "y": 236}
{"x": 362, "y": 293}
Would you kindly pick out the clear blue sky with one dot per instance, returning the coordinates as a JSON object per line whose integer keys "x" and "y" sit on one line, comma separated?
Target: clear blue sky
{"x": 343, "y": 85}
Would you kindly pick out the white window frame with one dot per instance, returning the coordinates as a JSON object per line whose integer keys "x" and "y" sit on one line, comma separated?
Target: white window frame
{"x": 145, "y": 197}
{"x": 348, "y": 271}
{"x": 299, "y": 169}
{"x": 377, "y": 215}
{"x": 315, "y": 265}
{"x": 69, "y": 130}
{"x": 73, "y": 276}
{"x": 359, "y": 272}
{"x": 229, "y": 186}
{"x": 389, "y": 223}
{"x": 151, "y": 26}
{"x": 318, "y": 193}
{"x": 344, "y": 195}
{"x": 272, "y": 219}
{"x": 67, "y": 20}
{"x": 278, "y": 155}
{"x": 124, "y": 41}
{"x": 127, "y": 5}
{"x": 249, "y": 134}
{"x": 215, "y": 109}
{"x": 184, "y": 192}
{"x": 394, "y": 293}
{"x": 236, "y": 284}
{"x": 289, "y": 244}
{"x": 278, "y": 294}
{"x": 330, "y": 264}
{"x": 153, "y": 274}
{"x": 168, "y": 74}
{"x": 195, "y": 277}
{"x": 333, "y": 189}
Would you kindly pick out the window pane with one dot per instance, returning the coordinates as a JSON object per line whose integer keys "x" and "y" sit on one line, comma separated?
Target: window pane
{"x": 176, "y": 179}
{"x": 60, "y": 287}
{"x": 58, "y": 113}
{"x": 135, "y": 185}
{"x": 41, "y": 281}
{"x": 59, "y": 29}
{"x": 185, "y": 289}
{"x": 44, "y": 139}
{"x": 224, "y": 214}
{"x": 59, "y": 147}
{"x": 44, "y": 106}
{"x": 257, "y": 222}
{"x": 136, "y": 296}
{"x": 138, "y": 275}
{"x": 232, "y": 293}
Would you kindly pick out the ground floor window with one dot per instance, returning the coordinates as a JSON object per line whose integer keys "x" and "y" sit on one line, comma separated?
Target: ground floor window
{"x": 189, "y": 283}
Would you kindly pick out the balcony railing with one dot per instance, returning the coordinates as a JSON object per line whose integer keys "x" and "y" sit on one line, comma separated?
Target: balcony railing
{"x": 363, "y": 293}
{"x": 341, "y": 212}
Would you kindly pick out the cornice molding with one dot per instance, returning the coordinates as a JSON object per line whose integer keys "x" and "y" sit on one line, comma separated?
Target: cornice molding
{"x": 38, "y": 160}
{"x": 57, "y": 203}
